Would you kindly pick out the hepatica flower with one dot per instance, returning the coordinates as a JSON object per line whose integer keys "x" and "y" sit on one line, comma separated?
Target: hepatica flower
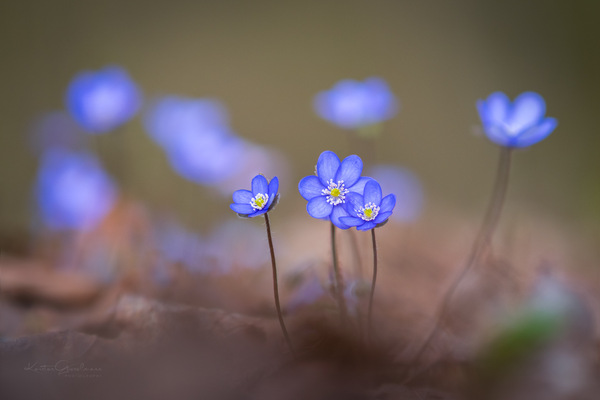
{"x": 328, "y": 191}
{"x": 353, "y": 104}
{"x": 259, "y": 200}
{"x": 196, "y": 137}
{"x": 396, "y": 179}
{"x": 519, "y": 124}
{"x": 170, "y": 116}
{"x": 101, "y": 101}
{"x": 368, "y": 210}
{"x": 73, "y": 191}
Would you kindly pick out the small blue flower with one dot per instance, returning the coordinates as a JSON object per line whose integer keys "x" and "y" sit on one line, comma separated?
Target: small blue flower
{"x": 196, "y": 137}
{"x": 168, "y": 117}
{"x": 101, "y": 101}
{"x": 519, "y": 124}
{"x": 258, "y": 201}
{"x": 328, "y": 190}
{"x": 207, "y": 158}
{"x": 369, "y": 210}
{"x": 352, "y": 104}
{"x": 73, "y": 191}
{"x": 396, "y": 179}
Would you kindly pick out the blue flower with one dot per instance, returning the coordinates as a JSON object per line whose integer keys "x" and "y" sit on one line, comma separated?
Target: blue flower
{"x": 73, "y": 191}
{"x": 196, "y": 137}
{"x": 352, "y": 104}
{"x": 369, "y": 210}
{"x": 327, "y": 192}
{"x": 519, "y": 124}
{"x": 258, "y": 201}
{"x": 103, "y": 100}
{"x": 170, "y": 116}
{"x": 396, "y": 179}
{"x": 207, "y": 158}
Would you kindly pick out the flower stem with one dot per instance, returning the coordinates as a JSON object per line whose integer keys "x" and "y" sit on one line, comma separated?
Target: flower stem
{"x": 481, "y": 242}
{"x": 373, "y": 281}
{"x": 339, "y": 282}
{"x": 276, "y": 287}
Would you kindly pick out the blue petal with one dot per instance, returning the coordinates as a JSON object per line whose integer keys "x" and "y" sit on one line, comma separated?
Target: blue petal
{"x": 382, "y": 217}
{"x": 387, "y": 204}
{"x": 536, "y": 133}
{"x": 318, "y": 207}
{"x": 244, "y": 209}
{"x": 527, "y": 110}
{"x": 310, "y": 186}
{"x": 337, "y": 213}
{"x": 351, "y": 221}
{"x": 273, "y": 186}
{"x": 349, "y": 170}
{"x": 353, "y": 202}
{"x": 498, "y": 135}
{"x": 327, "y": 166}
{"x": 372, "y": 192}
{"x": 242, "y": 196}
{"x": 496, "y": 109}
{"x": 359, "y": 186}
{"x": 366, "y": 226}
{"x": 258, "y": 212}
{"x": 260, "y": 185}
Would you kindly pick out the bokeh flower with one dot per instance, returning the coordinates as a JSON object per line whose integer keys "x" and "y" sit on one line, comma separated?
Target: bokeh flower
{"x": 73, "y": 192}
{"x": 196, "y": 137}
{"x": 368, "y": 210}
{"x": 259, "y": 200}
{"x": 519, "y": 124}
{"x": 401, "y": 180}
{"x": 101, "y": 101}
{"x": 327, "y": 191}
{"x": 170, "y": 116}
{"x": 353, "y": 104}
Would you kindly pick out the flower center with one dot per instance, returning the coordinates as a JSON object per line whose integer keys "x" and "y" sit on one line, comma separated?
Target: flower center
{"x": 259, "y": 201}
{"x": 368, "y": 212}
{"x": 335, "y": 192}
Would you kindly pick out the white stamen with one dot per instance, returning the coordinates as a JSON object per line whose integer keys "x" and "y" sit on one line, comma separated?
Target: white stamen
{"x": 259, "y": 201}
{"x": 339, "y": 192}
{"x": 369, "y": 212}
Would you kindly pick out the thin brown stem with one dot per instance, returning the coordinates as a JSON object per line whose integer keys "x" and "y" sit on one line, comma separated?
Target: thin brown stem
{"x": 276, "y": 286}
{"x": 373, "y": 281}
{"x": 480, "y": 244}
{"x": 357, "y": 257}
{"x": 339, "y": 281}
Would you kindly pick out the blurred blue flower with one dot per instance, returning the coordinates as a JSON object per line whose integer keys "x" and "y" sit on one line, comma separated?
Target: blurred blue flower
{"x": 101, "y": 101}
{"x": 327, "y": 191}
{"x": 196, "y": 138}
{"x": 73, "y": 191}
{"x": 352, "y": 104}
{"x": 368, "y": 210}
{"x": 206, "y": 158}
{"x": 402, "y": 181}
{"x": 258, "y": 201}
{"x": 170, "y": 116}
{"x": 519, "y": 124}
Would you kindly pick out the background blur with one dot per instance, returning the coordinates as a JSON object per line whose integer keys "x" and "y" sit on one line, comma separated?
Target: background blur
{"x": 266, "y": 61}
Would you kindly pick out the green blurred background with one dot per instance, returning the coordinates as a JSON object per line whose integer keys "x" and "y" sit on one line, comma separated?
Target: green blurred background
{"x": 267, "y": 59}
